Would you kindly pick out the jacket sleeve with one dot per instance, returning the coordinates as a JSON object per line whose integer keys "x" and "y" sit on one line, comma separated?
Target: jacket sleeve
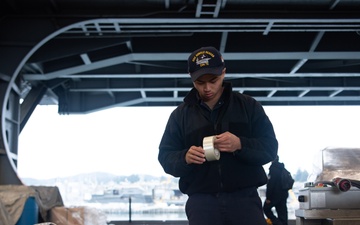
{"x": 261, "y": 146}
{"x": 270, "y": 188}
{"x": 172, "y": 150}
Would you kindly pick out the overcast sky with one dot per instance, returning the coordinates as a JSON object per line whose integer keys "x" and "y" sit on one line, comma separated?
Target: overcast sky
{"x": 124, "y": 140}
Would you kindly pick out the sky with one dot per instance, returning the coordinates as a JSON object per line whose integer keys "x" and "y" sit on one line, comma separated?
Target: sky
{"x": 125, "y": 140}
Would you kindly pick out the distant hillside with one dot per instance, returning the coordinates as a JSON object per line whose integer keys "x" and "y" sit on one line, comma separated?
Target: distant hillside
{"x": 100, "y": 177}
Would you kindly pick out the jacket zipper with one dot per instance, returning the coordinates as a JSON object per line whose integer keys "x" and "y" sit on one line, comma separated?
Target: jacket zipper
{"x": 218, "y": 164}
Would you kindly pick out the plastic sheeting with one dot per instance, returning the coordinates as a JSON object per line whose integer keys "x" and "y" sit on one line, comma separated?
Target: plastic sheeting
{"x": 47, "y": 198}
{"x": 4, "y": 215}
{"x": 77, "y": 216}
{"x": 336, "y": 162}
{"x": 13, "y": 198}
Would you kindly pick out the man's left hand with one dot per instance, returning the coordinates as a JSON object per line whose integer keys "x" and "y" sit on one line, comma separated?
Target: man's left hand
{"x": 227, "y": 142}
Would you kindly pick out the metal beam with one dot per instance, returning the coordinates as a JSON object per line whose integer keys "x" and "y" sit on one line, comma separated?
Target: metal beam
{"x": 186, "y": 76}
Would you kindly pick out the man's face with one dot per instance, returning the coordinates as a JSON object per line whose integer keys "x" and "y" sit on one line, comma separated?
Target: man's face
{"x": 209, "y": 86}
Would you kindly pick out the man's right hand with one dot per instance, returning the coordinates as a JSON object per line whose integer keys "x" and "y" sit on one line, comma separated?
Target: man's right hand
{"x": 195, "y": 155}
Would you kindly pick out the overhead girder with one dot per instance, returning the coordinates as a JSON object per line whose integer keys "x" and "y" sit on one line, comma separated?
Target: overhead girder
{"x": 30, "y": 59}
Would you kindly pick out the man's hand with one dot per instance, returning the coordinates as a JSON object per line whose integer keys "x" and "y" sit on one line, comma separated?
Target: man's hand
{"x": 195, "y": 155}
{"x": 227, "y": 142}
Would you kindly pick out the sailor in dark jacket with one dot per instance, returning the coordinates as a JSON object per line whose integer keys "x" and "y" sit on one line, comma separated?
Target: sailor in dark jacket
{"x": 276, "y": 196}
{"x": 222, "y": 191}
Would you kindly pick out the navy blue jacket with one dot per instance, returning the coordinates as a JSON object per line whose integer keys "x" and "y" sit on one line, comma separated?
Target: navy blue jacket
{"x": 274, "y": 189}
{"x": 239, "y": 114}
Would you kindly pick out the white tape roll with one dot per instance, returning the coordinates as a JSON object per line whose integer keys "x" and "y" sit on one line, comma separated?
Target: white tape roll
{"x": 211, "y": 153}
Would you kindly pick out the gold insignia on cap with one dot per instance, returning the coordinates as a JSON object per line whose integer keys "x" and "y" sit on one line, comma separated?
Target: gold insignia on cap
{"x": 202, "y": 58}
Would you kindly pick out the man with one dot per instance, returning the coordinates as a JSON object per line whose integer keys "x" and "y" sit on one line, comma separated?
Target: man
{"x": 223, "y": 191}
{"x": 276, "y": 195}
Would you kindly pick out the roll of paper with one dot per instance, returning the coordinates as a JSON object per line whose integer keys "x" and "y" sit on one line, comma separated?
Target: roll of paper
{"x": 211, "y": 153}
